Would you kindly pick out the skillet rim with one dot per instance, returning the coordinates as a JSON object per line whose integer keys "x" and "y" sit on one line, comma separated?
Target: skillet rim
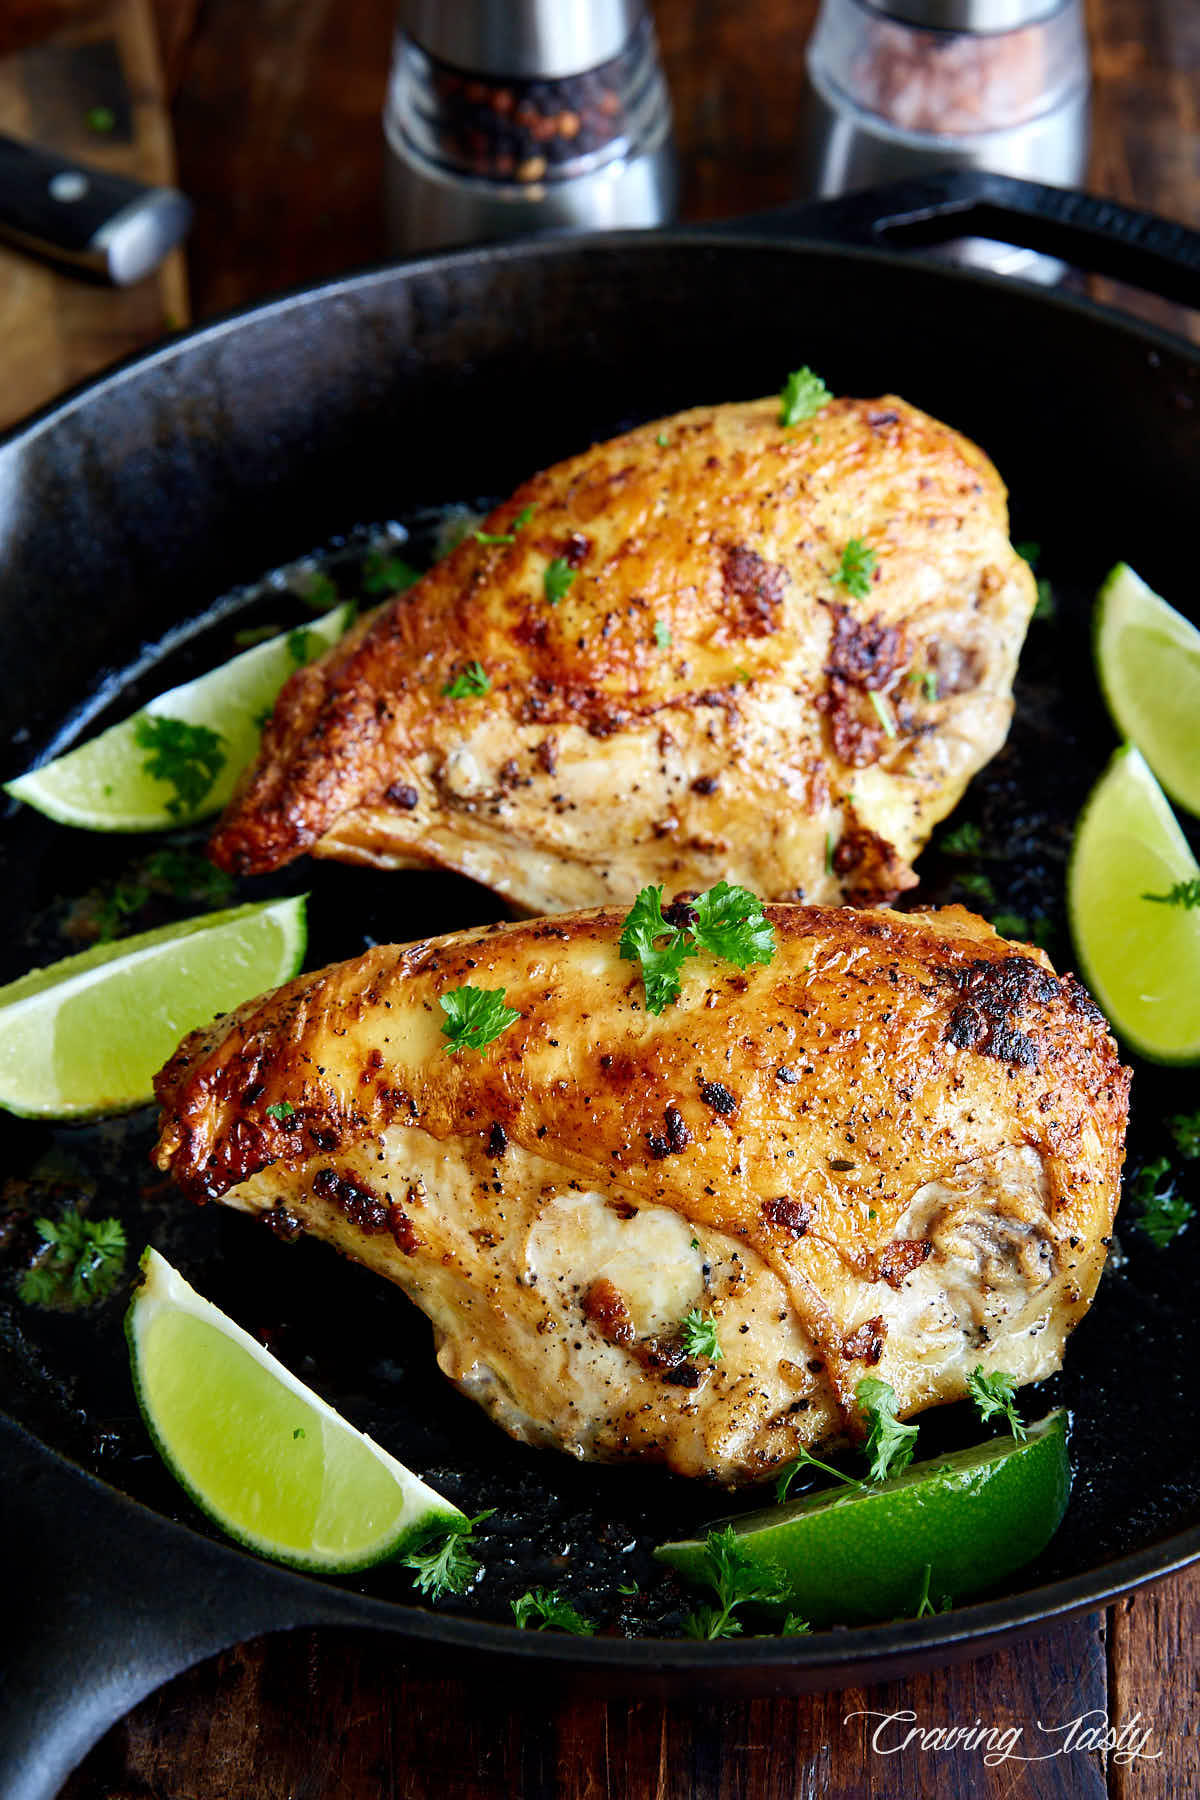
{"x": 844, "y": 1653}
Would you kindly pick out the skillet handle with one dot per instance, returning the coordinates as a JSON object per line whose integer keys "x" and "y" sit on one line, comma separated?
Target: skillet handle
{"x": 1101, "y": 236}
{"x": 104, "y": 1601}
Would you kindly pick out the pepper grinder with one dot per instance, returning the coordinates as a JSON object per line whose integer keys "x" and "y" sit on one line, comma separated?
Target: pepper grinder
{"x": 902, "y": 87}
{"x": 510, "y": 116}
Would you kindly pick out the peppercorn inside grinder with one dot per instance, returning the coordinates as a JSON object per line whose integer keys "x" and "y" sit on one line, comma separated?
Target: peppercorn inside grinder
{"x": 510, "y": 116}
{"x": 897, "y": 88}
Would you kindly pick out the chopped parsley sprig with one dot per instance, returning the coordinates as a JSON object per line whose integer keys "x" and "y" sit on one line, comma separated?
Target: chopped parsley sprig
{"x": 698, "y": 1333}
{"x": 188, "y": 757}
{"x": 727, "y": 922}
{"x": 82, "y": 1261}
{"x": 1183, "y": 893}
{"x": 383, "y": 574}
{"x": 995, "y": 1395}
{"x": 856, "y": 568}
{"x": 1162, "y": 1212}
{"x": 469, "y": 683}
{"x": 736, "y": 1581}
{"x": 475, "y": 1017}
{"x": 505, "y": 537}
{"x": 446, "y": 1566}
{"x": 1185, "y": 1129}
{"x": 805, "y": 1460}
{"x": 803, "y": 395}
{"x": 542, "y": 1607}
{"x": 556, "y": 582}
{"x": 890, "y": 1444}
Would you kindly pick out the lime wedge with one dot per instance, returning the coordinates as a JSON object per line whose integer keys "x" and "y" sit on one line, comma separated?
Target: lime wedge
{"x": 1148, "y": 659}
{"x": 1141, "y": 958}
{"x": 851, "y": 1555}
{"x": 88, "y": 1034}
{"x": 104, "y": 785}
{"x": 259, "y": 1452}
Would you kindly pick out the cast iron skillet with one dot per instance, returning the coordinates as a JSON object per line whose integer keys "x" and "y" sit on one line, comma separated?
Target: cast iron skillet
{"x": 127, "y": 508}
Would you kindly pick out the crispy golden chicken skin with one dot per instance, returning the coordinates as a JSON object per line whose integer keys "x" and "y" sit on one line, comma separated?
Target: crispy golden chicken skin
{"x": 781, "y": 656}
{"x": 895, "y": 1149}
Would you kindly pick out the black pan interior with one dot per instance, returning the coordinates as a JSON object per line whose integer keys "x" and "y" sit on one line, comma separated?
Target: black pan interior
{"x": 126, "y": 512}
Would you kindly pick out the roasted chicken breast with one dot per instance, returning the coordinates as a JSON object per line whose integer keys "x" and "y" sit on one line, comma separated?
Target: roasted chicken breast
{"x": 893, "y": 1149}
{"x": 713, "y": 647}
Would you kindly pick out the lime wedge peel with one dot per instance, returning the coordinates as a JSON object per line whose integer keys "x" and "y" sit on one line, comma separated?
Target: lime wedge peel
{"x": 852, "y": 1556}
{"x": 261, "y": 1454}
{"x": 87, "y": 1035}
{"x": 1148, "y": 662}
{"x": 1139, "y": 957}
{"x": 103, "y": 786}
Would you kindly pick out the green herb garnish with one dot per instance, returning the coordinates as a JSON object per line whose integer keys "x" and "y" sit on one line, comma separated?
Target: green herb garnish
{"x": 383, "y": 574}
{"x": 1045, "y": 606}
{"x": 856, "y": 568}
{"x": 727, "y": 922}
{"x": 883, "y": 712}
{"x": 282, "y": 1111}
{"x": 299, "y": 645}
{"x": 962, "y": 840}
{"x": 1162, "y": 1211}
{"x": 475, "y": 1017}
{"x": 662, "y": 440}
{"x": 699, "y": 1334}
{"x": 505, "y": 537}
{"x": 1184, "y": 893}
{"x": 469, "y": 683}
{"x": 556, "y": 582}
{"x": 994, "y": 1395}
{"x": 978, "y": 886}
{"x": 543, "y": 1607}
{"x": 1185, "y": 1129}
{"x": 806, "y": 1460}
{"x": 735, "y": 1580}
{"x": 803, "y": 395}
{"x": 82, "y": 1261}
{"x": 889, "y": 1443}
{"x": 318, "y": 592}
{"x": 924, "y": 1603}
{"x": 446, "y": 1567}
{"x": 795, "y": 1626}
{"x": 188, "y": 757}
{"x": 1011, "y": 925}
{"x": 1029, "y": 552}
{"x": 662, "y": 634}
{"x": 100, "y": 119}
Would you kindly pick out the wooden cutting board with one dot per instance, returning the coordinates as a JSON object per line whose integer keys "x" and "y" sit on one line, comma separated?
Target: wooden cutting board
{"x": 94, "y": 89}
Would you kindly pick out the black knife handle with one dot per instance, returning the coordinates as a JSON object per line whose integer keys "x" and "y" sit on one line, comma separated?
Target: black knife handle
{"x": 101, "y": 1601}
{"x": 86, "y": 219}
{"x": 1091, "y": 233}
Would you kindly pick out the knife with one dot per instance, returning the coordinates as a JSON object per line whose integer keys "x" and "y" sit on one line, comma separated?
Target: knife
{"x": 88, "y": 220}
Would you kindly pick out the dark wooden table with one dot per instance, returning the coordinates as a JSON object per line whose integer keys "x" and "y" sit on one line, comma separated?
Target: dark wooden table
{"x": 275, "y": 106}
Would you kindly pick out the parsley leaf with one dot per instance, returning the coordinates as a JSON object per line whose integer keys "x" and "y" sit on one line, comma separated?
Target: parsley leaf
{"x": 640, "y": 942}
{"x": 299, "y": 645}
{"x": 189, "y": 757}
{"x": 318, "y": 591}
{"x": 662, "y": 634}
{"x": 1029, "y": 552}
{"x": 994, "y": 1394}
{"x": 730, "y": 923}
{"x": 963, "y": 840}
{"x": 505, "y": 537}
{"x": 1045, "y": 607}
{"x": 82, "y": 1261}
{"x": 1011, "y": 925}
{"x": 447, "y": 1567}
{"x": 857, "y": 567}
{"x": 803, "y": 395}
{"x": 282, "y": 1111}
{"x": 889, "y": 1443}
{"x": 556, "y": 582}
{"x": 795, "y": 1626}
{"x": 699, "y": 1334}
{"x": 662, "y": 440}
{"x": 1185, "y": 1129}
{"x": 383, "y": 574}
{"x": 188, "y": 876}
{"x": 475, "y": 1017}
{"x": 727, "y": 921}
{"x": 469, "y": 682}
{"x": 737, "y": 1579}
{"x": 1184, "y": 893}
{"x": 544, "y": 1607}
{"x": 1162, "y": 1211}
{"x": 100, "y": 119}
{"x": 978, "y": 886}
